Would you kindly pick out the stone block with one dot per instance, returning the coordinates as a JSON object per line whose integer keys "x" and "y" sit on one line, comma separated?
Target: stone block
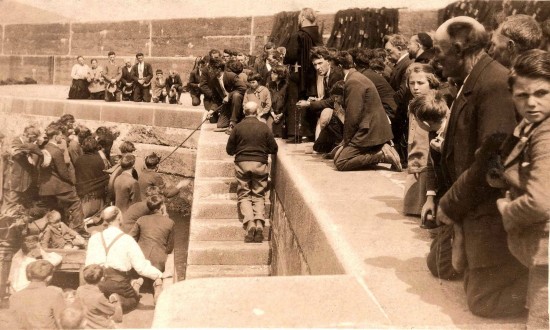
{"x": 43, "y": 107}
{"x": 83, "y": 110}
{"x": 215, "y": 168}
{"x": 127, "y": 112}
{"x": 21, "y": 105}
{"x": 202, "y": 271}
{"x": 5, "y": 103}
{"x": 228, "y": 253}
{"x": 36, "y": 39}
{"x": 221, "y": 230}
{"x": 204, "y": 188}
{"x": 213, "y": 151}
{"x": 127, "y": 37}
{"x": 179, "y": 118}
{"x": 219, "y": 209}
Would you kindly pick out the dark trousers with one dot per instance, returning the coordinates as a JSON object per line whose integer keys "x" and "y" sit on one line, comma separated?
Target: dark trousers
{"x": 67, "y": 201}
{"x": 400, "y": 130}
{"x": 141, "y": 94}
{"x": 113, "y": 97}
{"x": 195, "y": 98}
{"x": 232, "y": 111}
{"x": 97, "y": 95}
{"x": 299, "y": 122}
{"x": 497, "y": 291}
{"x": 439, "y": 259}
{"x": 355, "y": 158}
{"x": 119, "y": 282}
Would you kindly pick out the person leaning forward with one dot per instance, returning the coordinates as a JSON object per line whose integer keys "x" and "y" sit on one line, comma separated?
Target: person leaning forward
{"x": 495, "y": 282}
{"x": 119, "y": 253}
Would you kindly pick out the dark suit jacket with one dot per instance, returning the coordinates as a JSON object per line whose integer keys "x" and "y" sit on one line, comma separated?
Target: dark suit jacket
{"x": 384, "y": 90}
{"x": 366, "y": 123}
{"x": 426, "y": 56}
{"x": 482, "y": 109}
{"x": 194, "y": 81}
{"x": 126, "y": 75}
{"x": 336, "y": 74}
{"x": 155, "y": 236}
{"x": 55, "y": 179}
{"x": 126, "y": 191}
{"x": 147, "y": 72}
{"x": 402, "y": 94}
{"x": 398, "y": 72}
{"x": 19, "y": 173}
{"x": 261, "y": 68}
{"x": 211, "y": 88}
{"x": 173, "y": 81}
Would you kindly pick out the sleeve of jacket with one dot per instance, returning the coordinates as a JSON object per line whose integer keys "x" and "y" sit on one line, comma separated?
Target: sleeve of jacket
{"x": 534, "y": 205}
{"x": 149, "y": 72}
{"x": 177, "y": 81}
{"x": 135, "y": 231}
{"x": 134, "y": 72}
{"x": 354, "y": 108}
{"x": 318, "y": 106}
{"x": 240, "y": 86}
{"x": 267, "y": 97}
{"x": 402, "y": 94}
{"x": 231, "y": 147}
{"x": 431, "y": 183}
{"x": 205, "y": 88}
{"x": 292, "y": 50}
{"x": 272, "y": 146}
{"x": 61, "y": 167}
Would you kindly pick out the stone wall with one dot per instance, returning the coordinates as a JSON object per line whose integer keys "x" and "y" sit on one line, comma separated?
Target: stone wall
{"x": 47, "y": 52}
{"x": 150, "y": 128}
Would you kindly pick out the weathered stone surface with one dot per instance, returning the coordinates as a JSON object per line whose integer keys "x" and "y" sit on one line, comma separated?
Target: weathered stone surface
{"x": 220, "y": 209}
{"x": 162, "y": 136}
{"x": 39, "y": 68}
{"x": 36, "y": 39}
{"x": 221, "y": 230}
{"x": 228, "y": 253}
{"x": 216, "y": 168}
{"x": 202, "y": 271}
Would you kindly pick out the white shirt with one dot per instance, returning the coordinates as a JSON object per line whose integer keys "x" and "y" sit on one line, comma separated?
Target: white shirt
{"x": 124, "y": 254}
{"x": 220, "y": 79}
{"x": 140, "y": 70}
{"x": 18, "y": 270}
{"x": 268, "y": 66}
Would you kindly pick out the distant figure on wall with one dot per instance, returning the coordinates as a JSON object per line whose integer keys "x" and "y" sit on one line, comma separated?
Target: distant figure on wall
{"x": 79, "y": 73}
{"x": 142, "y": 73}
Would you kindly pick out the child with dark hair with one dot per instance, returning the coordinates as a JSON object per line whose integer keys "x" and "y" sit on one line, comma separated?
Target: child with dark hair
{"x": 126, "y": 187}
{"x": 100, "y": 312}
{"x": 38, "y": 306}
{"x": 277, "y": 87}
{"x": 258, "y": 94}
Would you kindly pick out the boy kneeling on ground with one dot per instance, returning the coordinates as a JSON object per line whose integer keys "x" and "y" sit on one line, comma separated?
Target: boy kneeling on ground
{"x": 251, "y": 142}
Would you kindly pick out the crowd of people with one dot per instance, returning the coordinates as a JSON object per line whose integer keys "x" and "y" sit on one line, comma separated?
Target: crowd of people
{"x": 463, "y": 111}
{"x": 65, "y": 189}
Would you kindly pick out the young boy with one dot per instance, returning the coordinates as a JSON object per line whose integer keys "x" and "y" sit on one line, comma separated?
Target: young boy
{"x": 38, "y": 306}
{"x": 101, "y": 313}
{"x": 431, "y": 112}
{"x": 251, "y": 142}
{"x": 258, "y": 94}
{"x": 158, "y": 88}
{"x": 58, "y": 235}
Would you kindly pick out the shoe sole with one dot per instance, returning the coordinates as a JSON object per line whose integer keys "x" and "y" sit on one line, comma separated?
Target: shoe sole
{"x": 249, "y": 238}
{"x": 259, "y": 236}
{"x": 394, "y": 158}
{"x": 220, "y": 129}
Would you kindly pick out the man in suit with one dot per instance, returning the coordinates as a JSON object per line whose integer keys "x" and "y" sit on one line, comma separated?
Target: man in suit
{"x": 142, "y": 73}
{"x": 396, "y": 50}
{"x": 367, "y": 131}
{"x": 155, "y": 233}
{"x": 494, "y": 281}
{"x": 174, "y": 83}
{"x": 126, "y": 187}
{"x": 420, "y": 48}
{"x": 55, "y": 185}
{"x": 515, "y": 35}
{"x": 226, "y": 90}
{"x": 321, "y": 107}
{"x": 127, "y": 81}
{"x": 19, "y": 173}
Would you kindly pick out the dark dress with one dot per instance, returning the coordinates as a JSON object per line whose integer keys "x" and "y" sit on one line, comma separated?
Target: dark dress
{"x": 91, "y": 182}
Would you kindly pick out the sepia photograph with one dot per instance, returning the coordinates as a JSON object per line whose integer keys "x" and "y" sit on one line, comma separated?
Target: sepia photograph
{"x": 350, "y": 164}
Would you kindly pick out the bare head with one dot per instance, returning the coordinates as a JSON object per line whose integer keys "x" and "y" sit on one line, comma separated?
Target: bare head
{"x": 112, "y": 216}
{"x": 250, "y": 109}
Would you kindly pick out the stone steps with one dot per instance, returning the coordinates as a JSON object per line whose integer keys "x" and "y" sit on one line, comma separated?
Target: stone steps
{"x": 228, "y": 253}
{"x": 221, "y": 230}
{"x": 216, "y": 238}
{"x": 199, "y": 271}
{"x": 220, "y": 209}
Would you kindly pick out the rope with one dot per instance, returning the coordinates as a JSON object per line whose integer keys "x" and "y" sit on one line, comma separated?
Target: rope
{"x": 187, "y": 138}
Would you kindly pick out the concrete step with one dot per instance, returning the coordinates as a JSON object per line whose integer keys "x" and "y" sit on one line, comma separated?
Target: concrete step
{"x": 215, "y": 168}
{"x": 220, "y": 209}
{"x": 214, "y": 151}
{"x": 228, "y": 253}
{"x": 221, "y": 230}
{"x": 218, "y": 188}
{"x": 201, "y": 271}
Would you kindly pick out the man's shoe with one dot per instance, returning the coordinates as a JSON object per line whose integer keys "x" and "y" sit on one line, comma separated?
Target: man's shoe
{"x": 250, "y": 232}
{"x": 259, "y": 235}
{"x": 392, "y": 157}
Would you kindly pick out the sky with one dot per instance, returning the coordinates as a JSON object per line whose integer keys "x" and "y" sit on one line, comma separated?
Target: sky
{"x": 109, "y": 10}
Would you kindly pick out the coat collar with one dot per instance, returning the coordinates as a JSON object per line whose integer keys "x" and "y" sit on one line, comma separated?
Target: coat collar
{"x": 477, "y": 70}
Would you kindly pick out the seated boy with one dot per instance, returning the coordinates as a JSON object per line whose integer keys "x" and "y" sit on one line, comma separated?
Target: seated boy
{"x": 258, "y": 94}
{"x": 58, "y": 235}
{"x": 38, "y": 306}
{"x": 251, "y": 142}
{"x": 431, "y": 112}
{"x": 158, "y": 88}
{"x": 101, "y": 313}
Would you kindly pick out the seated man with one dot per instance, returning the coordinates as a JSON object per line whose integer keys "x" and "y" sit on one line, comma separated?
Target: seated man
{"x": 320, "y": 107}
{"x": 126, "y": 188}
{"x": 158, "y": 87}
{"x": 226, "y": 91}
{"x": 367, "y": 130}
